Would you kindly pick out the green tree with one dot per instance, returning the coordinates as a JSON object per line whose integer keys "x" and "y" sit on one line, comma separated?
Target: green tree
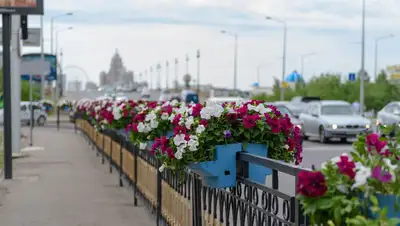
{"x": 24, "y": 89}
{"x": 330, "y": 87}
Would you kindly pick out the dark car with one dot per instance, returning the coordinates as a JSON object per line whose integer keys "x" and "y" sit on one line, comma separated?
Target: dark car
{"x": 298, "y": 104}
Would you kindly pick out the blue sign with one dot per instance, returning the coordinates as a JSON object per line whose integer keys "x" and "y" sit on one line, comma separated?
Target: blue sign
{"x": 352, "y": 76}
{"x": 52, "y": 59}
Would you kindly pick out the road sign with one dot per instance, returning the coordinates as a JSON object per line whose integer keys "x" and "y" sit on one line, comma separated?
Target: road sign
{"x": 34, "y": 68}
{"x": 33, "y": 37}
{"x": 23, "y": 7}
{"x": 352, "y": 76}
{"x": 285, "y": 85}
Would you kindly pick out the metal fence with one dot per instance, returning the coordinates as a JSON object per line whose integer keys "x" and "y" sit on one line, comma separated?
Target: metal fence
{"x": 182, "y": 200}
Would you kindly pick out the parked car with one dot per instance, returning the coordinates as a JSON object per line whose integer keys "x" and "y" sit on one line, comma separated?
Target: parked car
{"x": 39, "y": 114}
{"x": 389, "y": 115}
{"x": 298, "y": 104}
{"x": 189, "y": 96}
{"x": 165, "y": 95}
{"x": 332, "y": 119}
{"x": 220, "y": 100}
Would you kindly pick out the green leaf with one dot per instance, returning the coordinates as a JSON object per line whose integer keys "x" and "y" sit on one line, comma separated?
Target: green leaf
{"x": 324, "y": 204}
{"x": 374, "y": 200}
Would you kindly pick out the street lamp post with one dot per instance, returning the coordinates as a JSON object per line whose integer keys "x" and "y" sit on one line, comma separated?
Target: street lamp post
{"x": 258, "y": 72}
{"x": 235, "y": 62}
{"x": 166, "y": 75}
{"x": 362, "y": 71}
{"x": 187, "y": 64}
{"x": 303, "y": 57}
{"x": 151, "y": 78}
{"x": 376, "y": 53}
{"x": 57, "y": 32}
{"x": 284, "y": 53}
{"x": 198, "y": 71}
{"x": 159, "y": 76}
{"x": 52, "y": 28}
{"x": 176, "y": 74}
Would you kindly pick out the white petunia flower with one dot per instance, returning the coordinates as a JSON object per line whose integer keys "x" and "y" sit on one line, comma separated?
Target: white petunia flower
{"x": 162, "y": 167}
{"x": 164, "y": 116}
{"x": 142, "y": 146}
{"x": 362, "y": 174}
{"x": 200, "y": 129}
{"x": 178, "y": 155}
{"x": 154, "y": 124}
{"x": 189, "y": 122}
{"x": 179, "y": 139}
{"x": 141, "y": 127}
{"x": 151, "y": 116}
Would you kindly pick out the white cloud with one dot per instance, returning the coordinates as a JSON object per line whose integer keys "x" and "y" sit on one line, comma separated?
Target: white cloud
{"x": 328, "y": 27}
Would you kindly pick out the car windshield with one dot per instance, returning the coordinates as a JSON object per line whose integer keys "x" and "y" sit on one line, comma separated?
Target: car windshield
{"x": 284, "y": 110}
{"x": 337, "y": 110}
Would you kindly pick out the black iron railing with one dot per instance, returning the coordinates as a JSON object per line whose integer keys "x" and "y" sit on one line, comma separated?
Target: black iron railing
{"x": 181, "y": 199}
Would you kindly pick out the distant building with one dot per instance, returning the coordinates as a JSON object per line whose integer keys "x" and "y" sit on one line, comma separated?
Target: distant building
{"x": 117, "y": 74}
{"x": 75, "y": 86}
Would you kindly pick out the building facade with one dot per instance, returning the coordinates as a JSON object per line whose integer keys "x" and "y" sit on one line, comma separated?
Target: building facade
{"x": 117, "y": 74}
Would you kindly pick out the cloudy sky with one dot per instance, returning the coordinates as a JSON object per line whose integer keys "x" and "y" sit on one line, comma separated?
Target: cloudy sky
{"x": 148, "y": 32}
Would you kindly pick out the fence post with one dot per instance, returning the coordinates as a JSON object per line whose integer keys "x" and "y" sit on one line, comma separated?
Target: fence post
{"x": 121, "y": 143}
{"x": 159, "y": 193}
{"x": 135, "y": 153}
{"x": 102, "y": 151}
{"x": 58, "y": 118}
{"x": 196, "y": 201}
{"x": 111, "y": 153}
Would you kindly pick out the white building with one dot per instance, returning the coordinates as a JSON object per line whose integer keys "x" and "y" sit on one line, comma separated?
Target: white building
{"x": 75, "y": 86}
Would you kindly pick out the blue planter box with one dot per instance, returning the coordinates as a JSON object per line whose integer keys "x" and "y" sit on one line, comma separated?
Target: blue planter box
{"x": 220, "y": 173}
{"x": 258, "y": 173}
{"x": 388, "y": 201}
{"x": 170, "y": 134}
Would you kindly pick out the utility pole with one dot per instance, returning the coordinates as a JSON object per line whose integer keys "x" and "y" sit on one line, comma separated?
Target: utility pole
{"x": 362, "y": 71}
{"x": 176, "y": 74}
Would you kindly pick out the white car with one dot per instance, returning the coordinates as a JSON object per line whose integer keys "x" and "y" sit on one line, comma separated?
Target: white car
{"x": 39, "y": 114}
{"x": 165, "y": 96}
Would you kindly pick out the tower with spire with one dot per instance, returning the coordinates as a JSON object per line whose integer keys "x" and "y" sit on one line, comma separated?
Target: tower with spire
{"x": 117, "y": 74}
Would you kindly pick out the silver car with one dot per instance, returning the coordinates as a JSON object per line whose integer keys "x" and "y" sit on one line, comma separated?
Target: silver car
{"x": 389, "y": 115}
{"x": 332, "y": 119}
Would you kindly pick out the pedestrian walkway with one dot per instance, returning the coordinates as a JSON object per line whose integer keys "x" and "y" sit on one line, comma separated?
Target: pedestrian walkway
{"x": 66, "y": 185}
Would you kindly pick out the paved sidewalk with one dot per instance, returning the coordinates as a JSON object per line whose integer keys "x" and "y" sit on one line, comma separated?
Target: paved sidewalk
{"x": 66, "y": 185}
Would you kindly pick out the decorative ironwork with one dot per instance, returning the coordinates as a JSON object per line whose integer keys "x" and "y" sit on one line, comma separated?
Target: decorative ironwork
{"x": 182, "y": 200}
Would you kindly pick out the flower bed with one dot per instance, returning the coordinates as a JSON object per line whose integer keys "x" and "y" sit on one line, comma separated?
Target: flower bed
{"x": 360, "y": 188}
{"x": 185, "y": 136}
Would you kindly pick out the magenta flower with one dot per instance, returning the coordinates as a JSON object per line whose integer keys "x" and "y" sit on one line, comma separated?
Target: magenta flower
{"x": 381, "y": 175}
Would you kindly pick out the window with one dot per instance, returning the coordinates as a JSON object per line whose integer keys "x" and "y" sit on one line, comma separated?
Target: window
{"x": 24, "y": 108}
{"x": 396, "y": 109}
{"x": 337, "y": 110}
{"x": 389, "y": 108}
{"x": 284, "y": 110}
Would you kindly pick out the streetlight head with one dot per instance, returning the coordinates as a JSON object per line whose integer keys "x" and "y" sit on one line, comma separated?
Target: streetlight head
{"x": 391, "y": 35}
{"x": 223, "y": 31}
{"x": 69, "y": 14}
{"x": 268, "y": 18}
{"x": 70, "y": 28}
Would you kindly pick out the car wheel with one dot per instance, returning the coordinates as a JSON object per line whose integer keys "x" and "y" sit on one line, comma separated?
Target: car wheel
{"x": 41, "y": 121}
{"x": 322, "y": 137}
{"x": 304, "y": 136}
{"x": 343, "y": 140}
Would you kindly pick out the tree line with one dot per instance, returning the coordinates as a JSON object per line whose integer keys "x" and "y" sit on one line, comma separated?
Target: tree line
{"x": 330, "y": 87}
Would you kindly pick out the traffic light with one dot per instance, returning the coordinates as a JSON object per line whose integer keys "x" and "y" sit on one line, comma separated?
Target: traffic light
{"x": 24, "y": 27}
